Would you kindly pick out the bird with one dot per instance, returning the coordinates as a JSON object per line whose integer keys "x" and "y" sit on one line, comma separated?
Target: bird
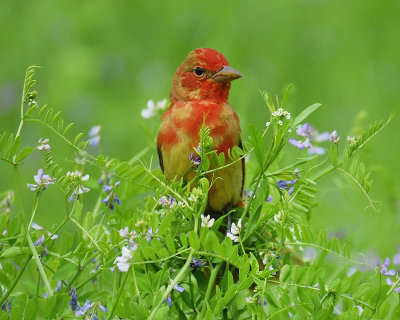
{"x": 200, "y": 90}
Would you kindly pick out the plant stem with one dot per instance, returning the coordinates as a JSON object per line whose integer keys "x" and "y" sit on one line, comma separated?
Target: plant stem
{"x": 35, "y": 206}
{"x": 171, "y": 286}
{"x": 213, "y": 276}
{"x": 39, "y": 264}
{"x": 15, "y": 281}
{"x": 118, "y": 296}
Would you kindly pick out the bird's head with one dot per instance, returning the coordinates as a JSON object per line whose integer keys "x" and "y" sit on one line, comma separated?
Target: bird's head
{"x": 205, "y": 74}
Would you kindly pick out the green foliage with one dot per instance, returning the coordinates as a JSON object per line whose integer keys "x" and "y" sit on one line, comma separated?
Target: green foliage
{"x": 138, "y": 257}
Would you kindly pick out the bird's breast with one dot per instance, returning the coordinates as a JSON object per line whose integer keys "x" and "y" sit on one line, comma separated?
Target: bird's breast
{"x": 182, "y": 123}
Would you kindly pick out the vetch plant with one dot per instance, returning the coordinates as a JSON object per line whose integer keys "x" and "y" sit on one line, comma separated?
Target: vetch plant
{"x": 163, "y": 255}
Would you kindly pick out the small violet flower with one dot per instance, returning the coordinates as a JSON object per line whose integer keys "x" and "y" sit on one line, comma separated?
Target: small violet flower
{"x": 42, "y": 181}
{"x": 112, "y": 196}
{"x": 195, "y": 161}
{"x": 334, "y": 137}
{"x": 287, "y": 185}
{"x": 94, "y": 135}
{"x": 74, "y": 299}
{"x": 178, "y": 288}
{"x": 196, "y": 263}
{"x": 383, "y": 268}
{"x": 167, "y": 202}
{"x": 206, "y": 222}
{"x": 81, "y": 311}
{"x": 310, "y": 134}
{"x": 43, "y": 145}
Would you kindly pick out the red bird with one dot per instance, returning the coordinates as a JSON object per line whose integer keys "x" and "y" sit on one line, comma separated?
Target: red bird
{"x": 200, "y": 88}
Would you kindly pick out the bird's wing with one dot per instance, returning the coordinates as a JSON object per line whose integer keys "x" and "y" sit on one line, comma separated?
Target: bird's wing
{"x": 240, "y": 145}
{"x": 160, "y": 158}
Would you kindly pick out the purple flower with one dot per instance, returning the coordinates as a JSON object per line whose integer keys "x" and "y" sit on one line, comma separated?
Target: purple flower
{"x": 39, "y": 241}
{"x": 195, "y": 263}
{"x": 310, "y": 134}
{"x": 74, "y": 299}
{"x": 42, "y": 181}
{"x": 58, "y": 287}
{"x": 195, "y": 161}
{"x": 81, "y": 311}
{"x": 179, "y": 288}
{"x": 169, "y": 301}
{"x": 103, "y": 308}
{"x": 384, "y": 269}
{"x": 269, "y": 199}
{"x": 287, "y": 185}
{"x": 334, "y": 137}
{"x": 94, "y": 135}
{"x": 112, "y": 197}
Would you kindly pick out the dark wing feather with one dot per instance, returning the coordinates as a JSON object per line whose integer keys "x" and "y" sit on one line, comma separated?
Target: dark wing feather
{"x": 160, "y": 158}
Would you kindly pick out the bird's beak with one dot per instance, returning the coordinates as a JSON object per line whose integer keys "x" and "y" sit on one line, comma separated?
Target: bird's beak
{"x": 226, "y": 74}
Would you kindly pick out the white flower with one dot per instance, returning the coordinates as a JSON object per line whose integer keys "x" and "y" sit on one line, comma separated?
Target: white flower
{"x": 280, "y": 122}
{"x": 152, "y": 109}
{"x": 124, "y": 232}
{"x": 206, "y": 221}
{"x": 43, "y": 145}
{"x": 192, "y": 198}
{"x": 124, "y": 261}
{"x": 236, "y": 229}
{"x": 77, "y": 178}
{"x": 267, "y": 124}
{"x": 36, "y": 226}
{"x": 232, "y": 237}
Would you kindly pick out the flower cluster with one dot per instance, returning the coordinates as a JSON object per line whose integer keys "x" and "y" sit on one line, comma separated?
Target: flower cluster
{"x": 42, "y": 181}
{"x": 124, "y": 261}
{"x": 130, "y": 237}
{"x": 194, "y": 196}
{"x": 112, "y": 196}
{"x": 76, "y": 180}
{"x": 233, "y": 234}
{"x": 81, "y": 311}
{"x": 280, "y": 115}
{"x": 383, "y": 269}
{"x": 167, "y": 202}
{"x": 195, "y": 160}
{"x": 43, "y": 144}
{"x": 152, "y": 108}
{"x": 94, "y": 135}
{"x": 287, "y": 185}
{"x": 309, "y": 134}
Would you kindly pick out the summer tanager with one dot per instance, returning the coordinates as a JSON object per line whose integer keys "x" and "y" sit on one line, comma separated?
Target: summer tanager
{"x": 200, "y": 90}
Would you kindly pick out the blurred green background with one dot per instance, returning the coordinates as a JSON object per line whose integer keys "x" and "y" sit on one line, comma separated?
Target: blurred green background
{"x": 102, "y": 61}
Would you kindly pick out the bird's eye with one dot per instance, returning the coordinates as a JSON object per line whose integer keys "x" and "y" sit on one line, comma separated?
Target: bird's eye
{"x": 198, "y": 71}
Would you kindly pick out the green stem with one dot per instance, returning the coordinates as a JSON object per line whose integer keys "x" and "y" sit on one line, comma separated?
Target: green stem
{"x": 393, "y": 287}
{"x": 39, "y": 264}
{"x": 171, "y": 286}
{"x": 35, "y": 206}
{"x": 210, "y": 286}
{"x": 118, "y": 296}
{"x": 15, "y": 281}
{"x": 57, "y": 229}
{"x": 135, "y": 284}
{"x": 87, "y": 234}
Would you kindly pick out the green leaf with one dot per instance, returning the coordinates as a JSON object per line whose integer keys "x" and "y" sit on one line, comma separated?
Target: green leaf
{"x": 11, "y": 252}
{"x": 284, "y": 273}
{"x": 48, "y": 115}
{"x": 304, "y": 114}
{"x": 23, "y": 154}
{"x": 42, "y": 110}
{"x": 8, "y": 144}
{"x": 64, "y": 272}
{"x": 67, "y": 128}
{"x": 194, "y": 240}
{"x": 77, "y": 138}
{"x": 258, "y": 144}
{"x": 15, "y": 147}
